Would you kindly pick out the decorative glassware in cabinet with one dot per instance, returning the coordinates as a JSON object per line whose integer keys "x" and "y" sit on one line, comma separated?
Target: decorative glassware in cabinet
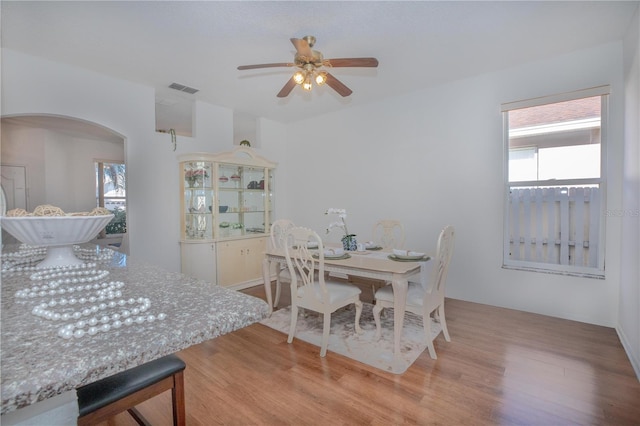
{"x": 198, "y": 200}
{"x": 253, "y": 202}
{"x": 199, "y": 215}
{"x": 197, "y": 174}
{"x": 230, "y": 221}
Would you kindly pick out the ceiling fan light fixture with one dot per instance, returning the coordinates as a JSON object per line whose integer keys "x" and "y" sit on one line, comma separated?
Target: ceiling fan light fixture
{"x": 307, "y": 84}
{"x": 299, "y": 77}
{"x": 321, "y": 78}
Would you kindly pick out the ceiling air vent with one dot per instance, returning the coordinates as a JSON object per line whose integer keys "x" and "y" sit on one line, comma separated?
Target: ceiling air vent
{"x": 183, "y": 88}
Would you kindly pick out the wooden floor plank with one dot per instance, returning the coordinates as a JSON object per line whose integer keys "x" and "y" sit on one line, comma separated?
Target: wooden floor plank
{"x": 501, "y": 367}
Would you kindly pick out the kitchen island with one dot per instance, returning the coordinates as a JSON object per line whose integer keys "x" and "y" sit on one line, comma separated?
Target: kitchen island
{"x": 46, "y": 353}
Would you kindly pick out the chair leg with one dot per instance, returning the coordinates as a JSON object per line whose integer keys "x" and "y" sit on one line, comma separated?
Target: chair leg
{"x": 177, "y": 397}
{"x": 443, "y": 322}
{"x": 276, "y": 299}
{"x": 139, "y": 418}
{"x": 432, "y": 350}
{"x": 326, "y": 328}
{"x": 376, "y": 316}
{"x": 426, "y": 324}
{"x": 294, "y": 321}
{"x": 358, "y": 304}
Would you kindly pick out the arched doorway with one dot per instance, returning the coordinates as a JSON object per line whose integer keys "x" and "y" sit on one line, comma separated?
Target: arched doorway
{"x": 50, "y": 159}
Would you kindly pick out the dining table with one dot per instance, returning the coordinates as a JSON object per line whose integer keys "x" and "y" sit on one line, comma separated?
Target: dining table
{"x": 368, "y": 264}
{"x": 63, "y": 328}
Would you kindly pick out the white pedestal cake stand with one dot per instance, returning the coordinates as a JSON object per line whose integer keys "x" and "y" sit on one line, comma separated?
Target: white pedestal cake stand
{"x": 57, "y": 233}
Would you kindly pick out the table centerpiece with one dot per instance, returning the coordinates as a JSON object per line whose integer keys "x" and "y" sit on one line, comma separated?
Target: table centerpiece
{"x": 349, "y": 242}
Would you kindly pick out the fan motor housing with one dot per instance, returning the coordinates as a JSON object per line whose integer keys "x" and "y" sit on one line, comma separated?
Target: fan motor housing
{"x": 316, "y": 60}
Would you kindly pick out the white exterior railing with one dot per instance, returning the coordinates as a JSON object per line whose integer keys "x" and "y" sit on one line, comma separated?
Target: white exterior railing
{"x": 555, "y": 225}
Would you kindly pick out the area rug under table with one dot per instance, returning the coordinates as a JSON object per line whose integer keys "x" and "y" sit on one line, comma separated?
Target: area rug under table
{"x": 361, "y": 347}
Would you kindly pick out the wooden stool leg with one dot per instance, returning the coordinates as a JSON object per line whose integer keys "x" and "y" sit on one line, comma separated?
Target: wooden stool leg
{"x": 177, "y": 396}
{"x": 139, "y": 418}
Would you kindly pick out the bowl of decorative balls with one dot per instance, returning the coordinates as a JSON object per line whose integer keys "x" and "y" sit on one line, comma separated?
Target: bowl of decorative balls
{"x": 51, "y": 227}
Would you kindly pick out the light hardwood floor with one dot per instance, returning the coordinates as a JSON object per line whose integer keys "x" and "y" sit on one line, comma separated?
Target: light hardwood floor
{"x": 501, "y": 367}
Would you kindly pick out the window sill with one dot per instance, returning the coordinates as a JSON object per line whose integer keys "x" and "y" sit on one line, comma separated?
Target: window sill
{"x": 599, "y": 275}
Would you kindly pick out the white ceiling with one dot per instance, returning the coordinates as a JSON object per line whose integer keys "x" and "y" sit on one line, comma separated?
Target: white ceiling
{"x": 200, "y": 44}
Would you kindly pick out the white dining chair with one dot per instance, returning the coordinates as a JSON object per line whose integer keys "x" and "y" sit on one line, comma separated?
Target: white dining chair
{"x": 309, "y": 287}
{"x": 279, "y": 230}
{"x": 389, "y": 234}
{"x": 424, "y": 298}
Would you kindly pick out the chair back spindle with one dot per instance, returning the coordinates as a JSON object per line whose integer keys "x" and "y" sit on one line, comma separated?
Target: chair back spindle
{"x": 389, "y": 234}
{"x": 440, "y": 270}
{"x": 308, "y": 270}
{"x": 279, "y": 230}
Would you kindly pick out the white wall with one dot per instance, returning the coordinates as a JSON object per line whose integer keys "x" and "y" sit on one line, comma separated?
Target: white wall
{"x": 435, "y": 158}
{"x": 32, "y": 159}
{"x": 32, "y": 85}
{"x": 272, "y": 138}
{"x": 629, "y": 318}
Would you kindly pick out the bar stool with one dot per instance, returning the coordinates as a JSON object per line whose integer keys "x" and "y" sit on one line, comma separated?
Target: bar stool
{"x": 105, "y": 398}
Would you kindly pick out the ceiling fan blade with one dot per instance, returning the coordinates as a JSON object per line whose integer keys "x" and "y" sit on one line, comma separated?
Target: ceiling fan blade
{"x": 338, "y": 86}
{"x": 351, "y": 62}
{"x": 302, "y": 47}
{"x": 252, "y": 67}
{"x": 284, "y": 92}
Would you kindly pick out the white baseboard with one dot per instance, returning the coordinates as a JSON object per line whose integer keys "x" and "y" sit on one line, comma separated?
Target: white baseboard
{"x": 252, "y": 283}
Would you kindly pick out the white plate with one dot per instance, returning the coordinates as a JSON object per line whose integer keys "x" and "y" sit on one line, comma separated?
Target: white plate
{"x": 334, "y": 257}
{"x": 407, "y": 257}
{"x": 412, "y": 259}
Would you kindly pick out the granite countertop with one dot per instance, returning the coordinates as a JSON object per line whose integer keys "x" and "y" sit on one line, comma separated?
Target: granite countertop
{"x": 36, "y": 363}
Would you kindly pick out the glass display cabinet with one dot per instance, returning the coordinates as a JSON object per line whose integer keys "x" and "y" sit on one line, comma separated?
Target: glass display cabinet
{"x": 226, "y": 209}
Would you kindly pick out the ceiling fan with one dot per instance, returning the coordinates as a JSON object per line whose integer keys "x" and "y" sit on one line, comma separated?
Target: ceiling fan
{"x": 311, "y": 66}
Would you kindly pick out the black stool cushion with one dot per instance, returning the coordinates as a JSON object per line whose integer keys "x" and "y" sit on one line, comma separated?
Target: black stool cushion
{"x": 110, "y": 389}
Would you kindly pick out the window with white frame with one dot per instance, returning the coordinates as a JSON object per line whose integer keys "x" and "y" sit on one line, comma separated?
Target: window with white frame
{"x": 111, "y": 193}
{"x": 554, "y": 183}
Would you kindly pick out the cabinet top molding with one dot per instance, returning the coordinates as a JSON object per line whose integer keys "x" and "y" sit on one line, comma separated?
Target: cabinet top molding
{"x": 244, "y": 156}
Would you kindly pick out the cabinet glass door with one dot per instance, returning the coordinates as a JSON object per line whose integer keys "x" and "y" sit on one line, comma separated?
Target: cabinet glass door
{"x": 198, "y": 200}
{"x": 253, "y": 202}
{"x": 229, "y": 187}
{"x": 241, "y": 200}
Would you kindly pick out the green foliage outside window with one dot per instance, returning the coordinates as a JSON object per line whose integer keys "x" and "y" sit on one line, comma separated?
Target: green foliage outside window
{"x": 118, "y": 224}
